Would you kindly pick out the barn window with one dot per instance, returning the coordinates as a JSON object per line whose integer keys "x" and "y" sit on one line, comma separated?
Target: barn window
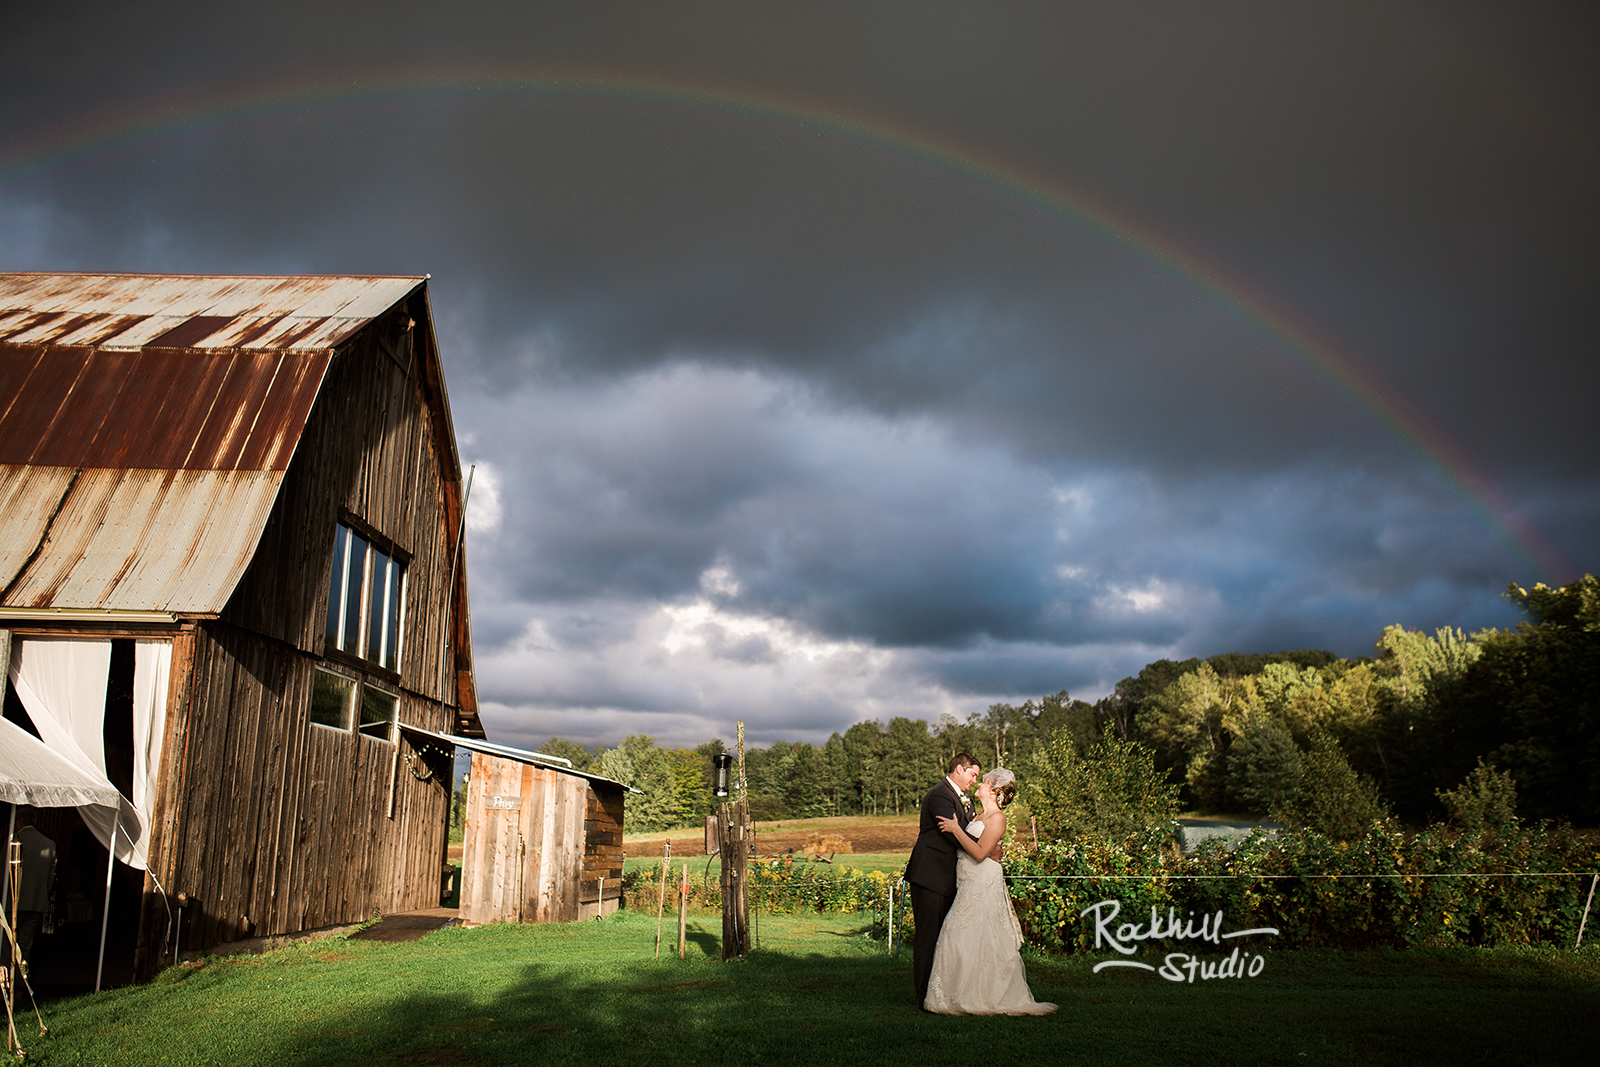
{"x": 366, "y": 594}
{"x": 333, "y": 700}
{"x": 378, "y": 712}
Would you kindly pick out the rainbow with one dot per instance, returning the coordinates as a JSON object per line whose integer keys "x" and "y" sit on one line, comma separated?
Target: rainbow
{"x": 984, "y": 173}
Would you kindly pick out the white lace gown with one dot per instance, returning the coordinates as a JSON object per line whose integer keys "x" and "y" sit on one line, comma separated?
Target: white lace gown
{"x": 977, "y": 969}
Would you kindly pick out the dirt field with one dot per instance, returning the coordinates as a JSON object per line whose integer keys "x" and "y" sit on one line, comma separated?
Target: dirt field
{"x": 866, "y": 833}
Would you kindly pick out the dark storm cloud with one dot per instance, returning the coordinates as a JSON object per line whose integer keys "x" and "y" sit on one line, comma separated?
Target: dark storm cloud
{"x": 803, "y": 428}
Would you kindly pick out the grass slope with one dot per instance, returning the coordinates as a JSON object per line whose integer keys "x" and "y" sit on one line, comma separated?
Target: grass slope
{"x": 817, "y": 990}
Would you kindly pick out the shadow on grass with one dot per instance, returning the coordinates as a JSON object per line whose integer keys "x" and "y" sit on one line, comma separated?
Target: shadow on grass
{"x": 817, "y": 991}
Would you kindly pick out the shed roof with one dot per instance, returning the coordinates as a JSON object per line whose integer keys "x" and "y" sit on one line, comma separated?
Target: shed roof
{"x": 146, "y": 422}
{"x": 521, "y": 755}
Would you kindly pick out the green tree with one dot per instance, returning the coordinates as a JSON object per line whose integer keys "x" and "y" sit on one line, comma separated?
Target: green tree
{"x": 864, "y": 764}
{"x": 1330, "y": 797}
{"x": 1114, "y": 791}
{"x": 580, "y": 756}
{"x": 1118, "y": 711}
{"x": 1530, "y": 704}
{"x": 1418, "y": 675}
{"x": 639, "y": 763}
{"x": 1264, "y": 766}
{"x": 1060, "y": 712}
{"x": 910, "y": 762}
{"x": 1190, "y": 725}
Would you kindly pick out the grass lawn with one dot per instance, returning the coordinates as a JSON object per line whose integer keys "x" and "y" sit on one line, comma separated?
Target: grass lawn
{"x": 816, "y": 991}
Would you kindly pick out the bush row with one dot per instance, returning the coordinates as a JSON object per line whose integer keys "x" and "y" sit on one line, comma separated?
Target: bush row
{"x": 1525, "y": 887}
{"x": 774, "y": 887}
{"x": 1390, "y": 888}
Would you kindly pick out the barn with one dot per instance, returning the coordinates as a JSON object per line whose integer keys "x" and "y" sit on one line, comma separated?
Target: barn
{"x": 232, "y": 589}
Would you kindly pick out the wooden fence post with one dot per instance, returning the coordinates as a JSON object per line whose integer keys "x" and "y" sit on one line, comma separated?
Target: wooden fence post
{"x": 661, "y": 902}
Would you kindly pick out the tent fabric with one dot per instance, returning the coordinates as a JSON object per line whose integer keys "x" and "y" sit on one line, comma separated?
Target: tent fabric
{"x": 62, "y": 685}
{"x": 32, "y": 774}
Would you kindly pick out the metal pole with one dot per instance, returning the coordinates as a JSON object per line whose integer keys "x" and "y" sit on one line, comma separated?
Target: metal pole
{"x": 105, "y": 913}
{"x": 891, "y": 917}
{"x": 450, "y": 590}
{"x": 11, "y": 835}
{"x": 13, "y": 873}
{"x": 1585, "y": 920}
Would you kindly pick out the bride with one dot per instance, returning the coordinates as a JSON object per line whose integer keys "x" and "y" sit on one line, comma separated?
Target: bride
{"x": 977, "y": 969}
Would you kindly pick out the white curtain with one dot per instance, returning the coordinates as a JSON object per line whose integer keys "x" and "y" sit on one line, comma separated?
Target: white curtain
{"x": 62, "y": 684}
{"x": 152, "y": 666}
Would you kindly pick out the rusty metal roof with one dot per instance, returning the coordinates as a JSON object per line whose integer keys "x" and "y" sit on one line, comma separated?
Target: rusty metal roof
{"x": 146, "y": 540}
{"x": 146, "y": 422}
{"x": 192, "y": 311}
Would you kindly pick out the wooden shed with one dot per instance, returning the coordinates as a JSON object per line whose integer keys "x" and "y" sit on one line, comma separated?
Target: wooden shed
{"x": 232, "y": 507}
{"x": 543, "y": 842}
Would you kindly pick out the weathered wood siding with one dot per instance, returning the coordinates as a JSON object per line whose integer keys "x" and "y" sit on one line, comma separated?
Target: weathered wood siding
{"x": 600, "y": 890}
{"x": 523, "y": 854}
{"x": 370, "y": 451}
{"x": 272, "y": 824}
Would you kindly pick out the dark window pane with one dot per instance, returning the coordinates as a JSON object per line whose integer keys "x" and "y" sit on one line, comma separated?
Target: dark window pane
{"x": 336, "y": 584}
{"x": 352, "y": 603}
{"x": 375, "y": 605}
{"x": 332, "y": 700}
{"x": 378, "y": 712}
{"x": 397, "y": 587}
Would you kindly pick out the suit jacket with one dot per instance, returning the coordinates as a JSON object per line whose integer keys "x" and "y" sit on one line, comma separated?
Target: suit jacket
{"x": 933, "y": 858}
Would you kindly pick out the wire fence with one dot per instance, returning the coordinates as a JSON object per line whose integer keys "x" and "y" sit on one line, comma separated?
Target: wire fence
{"x": 1363, "y": 909}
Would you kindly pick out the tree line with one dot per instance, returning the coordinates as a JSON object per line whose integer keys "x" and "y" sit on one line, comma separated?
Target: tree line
{"x": 1430, "y": 725}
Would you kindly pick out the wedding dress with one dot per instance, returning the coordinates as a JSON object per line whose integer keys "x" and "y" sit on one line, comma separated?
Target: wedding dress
{"x": 977, "y": 969}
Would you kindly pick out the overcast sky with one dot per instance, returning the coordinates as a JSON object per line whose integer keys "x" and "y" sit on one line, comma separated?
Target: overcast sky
{"x": 830, "y": 362}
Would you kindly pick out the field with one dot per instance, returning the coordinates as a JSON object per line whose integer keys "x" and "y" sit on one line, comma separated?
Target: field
{"x": 865, "y": 833}
{"x": 815, "y": 990}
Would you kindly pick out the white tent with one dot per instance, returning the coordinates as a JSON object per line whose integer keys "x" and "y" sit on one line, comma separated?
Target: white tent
{"x": 62, "y": 685}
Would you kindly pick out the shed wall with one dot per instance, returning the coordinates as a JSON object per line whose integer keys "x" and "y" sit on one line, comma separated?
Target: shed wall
{"x": 522, "y": 857}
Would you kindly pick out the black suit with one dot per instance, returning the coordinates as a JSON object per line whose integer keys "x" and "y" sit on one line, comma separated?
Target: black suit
{"x": 932, "y": 874}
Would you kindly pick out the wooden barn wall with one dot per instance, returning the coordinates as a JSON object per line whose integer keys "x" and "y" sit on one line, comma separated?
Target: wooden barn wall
{"x": 370, "y": 448}
{"x": 274, "y": 825}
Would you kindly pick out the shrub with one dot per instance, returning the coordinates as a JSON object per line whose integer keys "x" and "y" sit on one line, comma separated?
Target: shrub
{"x": 1112, "y": 792}
{"x": 1486, "y": 803}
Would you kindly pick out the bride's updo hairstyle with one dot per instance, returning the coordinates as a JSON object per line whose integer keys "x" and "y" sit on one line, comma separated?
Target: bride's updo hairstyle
{"x": 1004, "y": 784}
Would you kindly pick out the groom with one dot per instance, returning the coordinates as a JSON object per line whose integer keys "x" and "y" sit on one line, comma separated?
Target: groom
{"x": 932, "y": 870}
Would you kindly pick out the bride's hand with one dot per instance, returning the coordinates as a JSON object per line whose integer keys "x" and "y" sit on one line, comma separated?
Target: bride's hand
{"x": 947, "y": 824}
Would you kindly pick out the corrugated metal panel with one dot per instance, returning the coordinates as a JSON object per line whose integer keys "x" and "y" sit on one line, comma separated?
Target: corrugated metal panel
{"x": 140, "y": 478}
{"x": 131, "y": 540}
{"x": 192, "y": 311}
{"x": 28, "y": 497}
{"x": 159, "y": 409}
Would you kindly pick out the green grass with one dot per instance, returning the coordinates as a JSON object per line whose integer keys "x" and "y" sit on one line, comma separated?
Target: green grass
{"x": 816, "y": 991}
